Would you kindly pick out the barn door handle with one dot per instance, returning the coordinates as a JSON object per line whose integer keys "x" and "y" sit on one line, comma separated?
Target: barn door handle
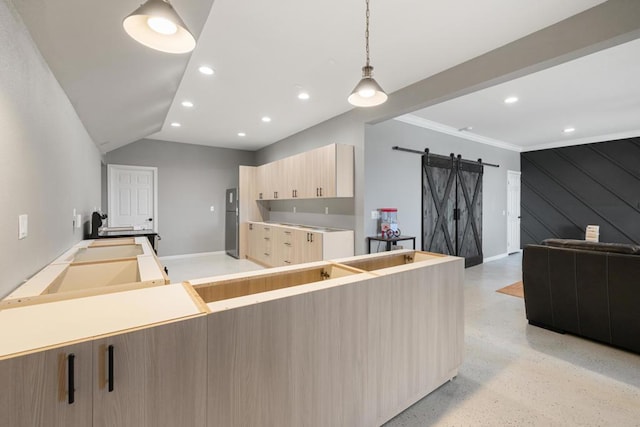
{"x": 71, "y": 377}
{"x": 110, "y": 368}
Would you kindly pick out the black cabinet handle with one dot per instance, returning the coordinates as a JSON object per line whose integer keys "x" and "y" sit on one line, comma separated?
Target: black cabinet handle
{"x": 110, "y": 367}
{"x": 311, "y": 234}
{"x": 317, "y": 192}
{"x": 71, "y": 377}
{"x": 320, "y": 191}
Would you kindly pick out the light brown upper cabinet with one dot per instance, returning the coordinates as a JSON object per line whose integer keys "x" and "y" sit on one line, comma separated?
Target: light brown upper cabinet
{"x": 325, "y": 172}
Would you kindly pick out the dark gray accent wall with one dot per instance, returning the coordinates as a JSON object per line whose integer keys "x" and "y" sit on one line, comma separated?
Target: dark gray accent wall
{"x": 566, "y": 189}
{"x": 191, "y": 179}
{"x": 49, "y": 165}
{"x": 394, "y": 179}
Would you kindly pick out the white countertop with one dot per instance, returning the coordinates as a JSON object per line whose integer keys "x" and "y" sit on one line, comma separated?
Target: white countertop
{"x": 35, "y": 327}
{"x": 303, "y": 227}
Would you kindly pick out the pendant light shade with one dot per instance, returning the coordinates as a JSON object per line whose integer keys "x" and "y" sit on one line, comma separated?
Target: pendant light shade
{"x": 367, "y": 92}
{"x": 157, "y": 25}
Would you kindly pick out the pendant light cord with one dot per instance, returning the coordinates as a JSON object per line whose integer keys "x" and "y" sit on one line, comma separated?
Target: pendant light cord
{"x": 366, "y": 33}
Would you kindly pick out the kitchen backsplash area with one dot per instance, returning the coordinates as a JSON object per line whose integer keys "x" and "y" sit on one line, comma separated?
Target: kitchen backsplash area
{"x": 314, "y": 212}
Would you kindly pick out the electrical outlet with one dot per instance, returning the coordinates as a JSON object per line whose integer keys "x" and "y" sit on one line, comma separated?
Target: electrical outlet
{"x": 375, "y": 214}
{"x": 326, "y": 210}
{"x": 294, "y": 209}
{"x": 23, "y": 226}
{"x": 212, "y": 209}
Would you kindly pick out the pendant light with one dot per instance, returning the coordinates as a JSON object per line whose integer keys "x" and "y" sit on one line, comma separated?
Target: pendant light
{"x": 157, "y": 25}
{"x": 368, "y": 92}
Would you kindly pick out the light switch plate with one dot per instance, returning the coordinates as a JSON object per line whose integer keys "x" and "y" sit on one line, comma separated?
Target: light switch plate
{"x": 23, "y": 226}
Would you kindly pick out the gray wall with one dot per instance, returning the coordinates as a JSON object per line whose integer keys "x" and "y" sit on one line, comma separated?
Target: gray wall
{"x": 48, "y": 163}
{"x": 191, "y": 178}
{"x": 394, "y": 179}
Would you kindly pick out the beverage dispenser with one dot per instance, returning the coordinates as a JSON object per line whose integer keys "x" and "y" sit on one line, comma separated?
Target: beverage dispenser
{"x": 389, "y": 222}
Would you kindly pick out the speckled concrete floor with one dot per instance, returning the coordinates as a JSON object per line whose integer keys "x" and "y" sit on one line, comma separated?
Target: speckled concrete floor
{"x": 515, "y": 374}
{"x": 205, "y": 265}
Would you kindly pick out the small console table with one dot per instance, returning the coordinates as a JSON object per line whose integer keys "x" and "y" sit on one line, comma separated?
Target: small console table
{"x": 388, "y": 241}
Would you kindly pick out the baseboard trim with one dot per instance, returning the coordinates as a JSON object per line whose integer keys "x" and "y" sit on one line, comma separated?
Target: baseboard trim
{"x": 170, "y": 257}
{"x": 496, "y": 257}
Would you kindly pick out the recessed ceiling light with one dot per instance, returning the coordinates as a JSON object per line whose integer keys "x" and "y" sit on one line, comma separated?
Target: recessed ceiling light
{"x": 303, "y": 95}
{"x": 266, "y": 119}
{"x": 187, "y": 104}
{"x": 176, "y": 124}
{"x": 511, "y": 100}
{"x": 569, "y": 130}
{"x": 206, "y": 70}
{"x": 242, "y": 134}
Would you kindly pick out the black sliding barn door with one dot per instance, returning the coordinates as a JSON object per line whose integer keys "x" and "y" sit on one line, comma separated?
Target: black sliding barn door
{"x": 452, "y": 207}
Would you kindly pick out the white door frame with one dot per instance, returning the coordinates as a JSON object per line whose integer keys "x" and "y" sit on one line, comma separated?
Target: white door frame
{"x": 519, "y": 174}
{"x": 110, "y": 167}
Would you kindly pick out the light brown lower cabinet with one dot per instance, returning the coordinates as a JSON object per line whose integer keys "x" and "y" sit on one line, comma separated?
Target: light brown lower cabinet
{"x": 34, "y": 389}
{"x": 152, "y": 377}
{"x": 157, "y": 377}
{"x": 354, "y": 350}
{"x": 280, "y": 245}
{"x": 349, "y": 343}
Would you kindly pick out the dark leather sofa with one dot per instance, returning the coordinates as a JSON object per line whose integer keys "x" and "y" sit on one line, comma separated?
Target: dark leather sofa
{"x": 589, "y": 289}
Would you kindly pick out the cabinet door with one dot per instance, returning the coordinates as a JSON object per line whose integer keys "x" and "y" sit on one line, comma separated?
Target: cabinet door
{"x": 296, "y": 177}
{"x": 267, "y": 246}
{"x": 320, "y": 167}
{"x": 325, "y": 173}
{"x": 264, "y": 189}
{"x": 158, "y": 377}
{"x": 35, "y": 388}
{"x": 287, "y": 246}
{"x": 310, "y": 245}
{"x": 277, "y": 176}
{"x": 255, "y": 241}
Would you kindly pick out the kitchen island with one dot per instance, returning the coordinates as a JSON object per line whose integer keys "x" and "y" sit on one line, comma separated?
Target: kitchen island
{"x": 351, "y": 342}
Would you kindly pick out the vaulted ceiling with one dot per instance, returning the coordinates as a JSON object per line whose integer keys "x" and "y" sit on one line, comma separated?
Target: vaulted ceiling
{"x": 265, "y": 53}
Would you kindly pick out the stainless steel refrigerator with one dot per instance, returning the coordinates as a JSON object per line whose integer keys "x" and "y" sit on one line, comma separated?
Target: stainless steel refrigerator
{"x": 231, "y": 224}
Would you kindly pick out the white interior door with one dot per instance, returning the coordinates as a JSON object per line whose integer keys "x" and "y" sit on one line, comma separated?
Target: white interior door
{"x": 513, "y": 211}
{"x": 132, "y": 195}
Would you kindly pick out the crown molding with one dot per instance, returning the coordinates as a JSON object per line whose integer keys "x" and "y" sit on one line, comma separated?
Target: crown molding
{"x": 439, "y": 127}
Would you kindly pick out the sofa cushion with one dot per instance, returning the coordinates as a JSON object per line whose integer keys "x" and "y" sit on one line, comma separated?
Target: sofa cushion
{"x": 619, "y": 248}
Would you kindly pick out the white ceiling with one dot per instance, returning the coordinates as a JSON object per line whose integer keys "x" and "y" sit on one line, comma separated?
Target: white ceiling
{"x": 598, "y": 95}
{"x": 264, "y": 53}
